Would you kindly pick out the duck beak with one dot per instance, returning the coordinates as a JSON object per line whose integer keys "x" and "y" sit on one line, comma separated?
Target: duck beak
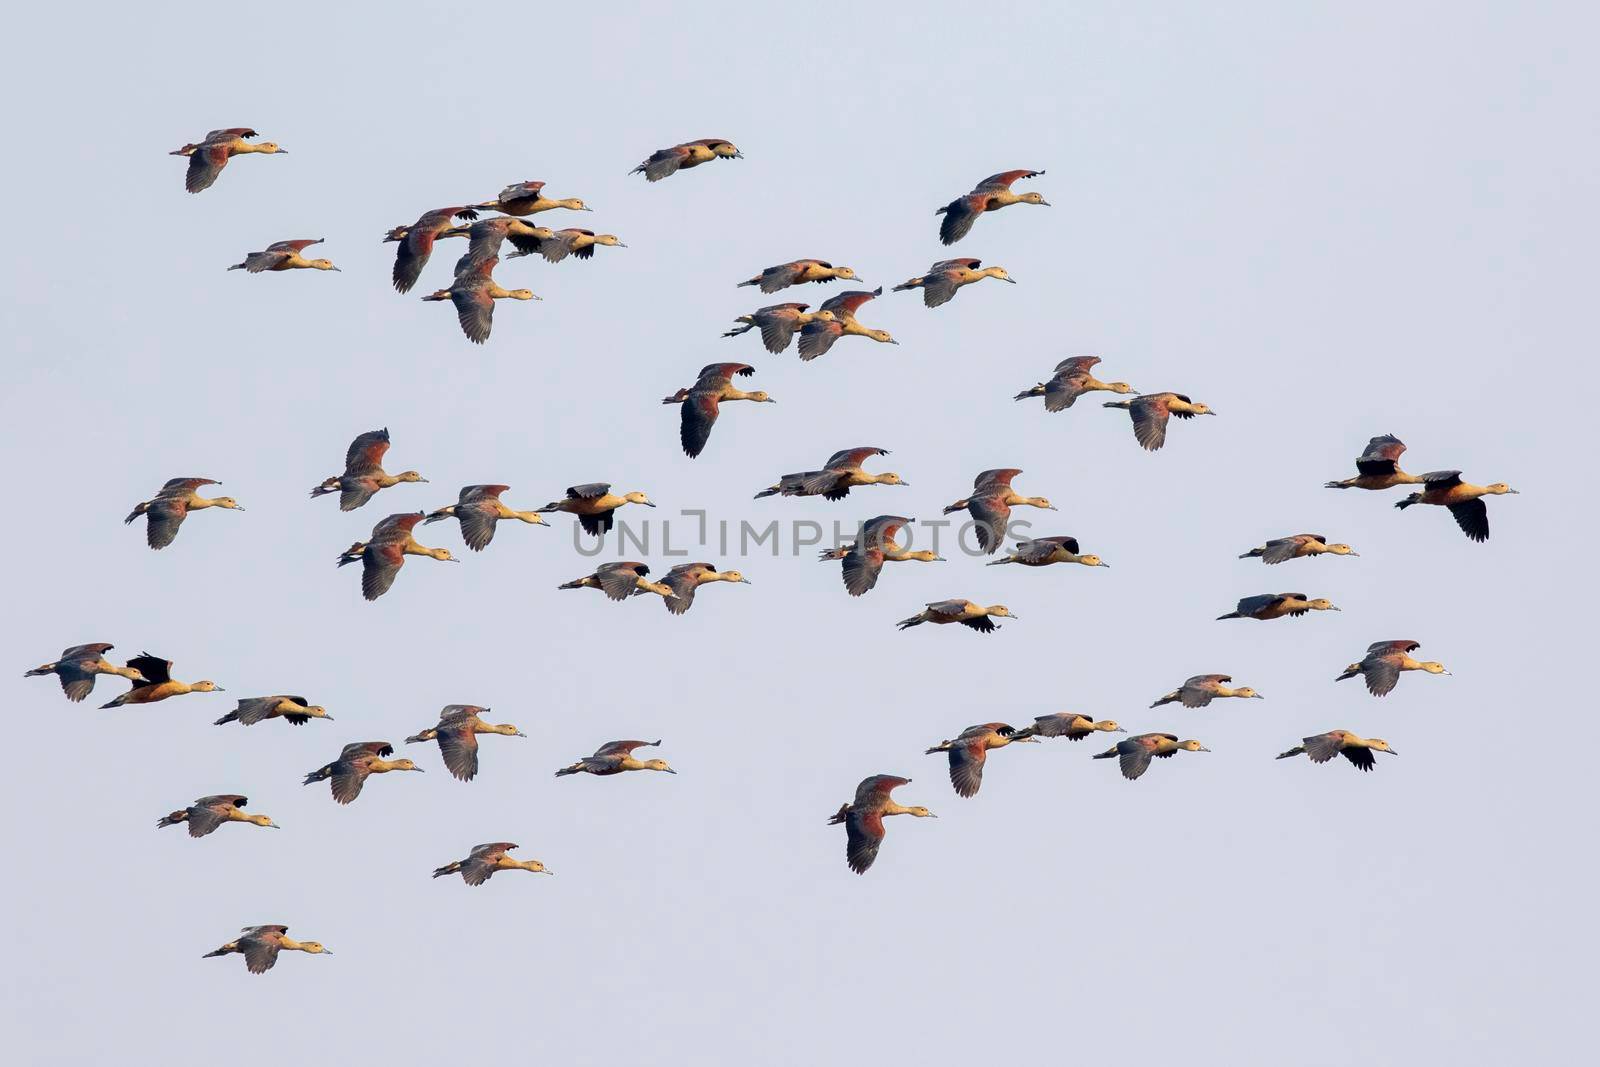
{"x": 519, "y": 733}
{"x": 1103, "y": 563}
{"x": 745, "y": 581}
{"x": 1012, "y": 280}
{"x": 219, "y": 689}
{"x": 1120, "y": 730}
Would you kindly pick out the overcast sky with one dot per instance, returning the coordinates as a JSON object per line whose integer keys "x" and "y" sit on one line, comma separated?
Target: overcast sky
{"x": 1327, "y": 222}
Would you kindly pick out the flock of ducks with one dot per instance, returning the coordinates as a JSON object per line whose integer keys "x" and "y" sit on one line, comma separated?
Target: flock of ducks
{"x": 479, "y": 509}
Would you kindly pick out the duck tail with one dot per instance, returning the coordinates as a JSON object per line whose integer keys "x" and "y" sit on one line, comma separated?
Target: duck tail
{"x": 449, "y": 868}
{"x": 1295, "y": 751}
{"x": 172, "y": 820}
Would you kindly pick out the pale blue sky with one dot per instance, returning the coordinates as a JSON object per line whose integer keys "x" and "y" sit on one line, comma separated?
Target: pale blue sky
{"x": 1327, "y": 221}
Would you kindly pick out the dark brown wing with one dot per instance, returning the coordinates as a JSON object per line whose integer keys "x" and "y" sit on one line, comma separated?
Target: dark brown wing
{"x": 478, "y": 521}
{"x": 863, "y": 836}
{"x": 623, "y": 748}
{"x": 849, "y": 303}
{"x": 380, "y": 564}
{"x": 474, "y": 311}
{"x": 861, "y": 566}
{"x": 1150, "y": 415}
{"x": 1473, "y": 518}
{"x": 817, "y": 336}
{"x": 459, "y": 747}
{"x": 619, "y": 581}
{"x": 205, "y": 164}
{"x": 990, "y": 514}
{"x": 998, "y": 182}
{"x": 164, "y": 515}
{"x": 1382, "y": 455}
{"x": 366, "y": 452}
{"x": 959, "y": 215}
{"x": 966, "y": 766}
{"x": 154, "y": 669}
{"x": 699, "y": 415}
{"x": 850, "y": 458}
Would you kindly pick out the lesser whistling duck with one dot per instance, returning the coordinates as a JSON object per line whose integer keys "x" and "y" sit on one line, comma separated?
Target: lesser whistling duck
{"x": 1384, "y": 661}
{"x": 595, "y": 505}
{"x": 1465, "y": 500}
{"x": 973, "y": 616}
{"x": 1043, "y": 551}
{"x": 621, "y": 580}
{"x": 1135, "y": 753}
{"x": 399, "y": 233}
{"x": 1202, "y": 689}
{"x": 665, "y": 162}
{"x": 837, "y": 477}
{"x": 1068, "y": 724}
{"x": 572, "y": 242}
{"x": 990, "y": 506}
{"x": 1071, "y": 379}
{"x": 473, "y": 293}
{"x": 701, "y": 402}
{"x": 484, "y": 860}
{"x": 78, "y": 666}
{"x": 260, "y": 946}
{"x": 295, "y": 710}
{"x": 527, "y": 198}
{"x": 863, "y": 818}
{"x": 799, "y": 272}
{"x": 946, "y": 277}
{"x": 457, "y": 733}
{"x": 157, "y": 683}
{"x": 685, "y": 578}
{"x": 614, "y": 757}
{"x": 818, "y": 335}
{"x": 1379, "y": 466}
{"x": 479, "y": 509}
{"x": 1297, "y": 546}
{"x": 363, "y": 472}
{"x": 165, "y": 513}
{"x": 385, "y": 553}
{"x": 357, "y": 761}
{"x": 969, "y": 751}
{"x": 208, "y": 813}
{"x": 284, "y": 255}
{"x": 1151, "y": 411}
{"x": 1268, "y": 606}
{"x": 207, "y": 158}
{"x": 416, "y": 243}
{"x": 874, "y": 546}
{"x": 991, "y": 194}
{"x": 486, "y": 237}
{"x": 1358, "y": 750}
{"x": 778, "y": 323}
